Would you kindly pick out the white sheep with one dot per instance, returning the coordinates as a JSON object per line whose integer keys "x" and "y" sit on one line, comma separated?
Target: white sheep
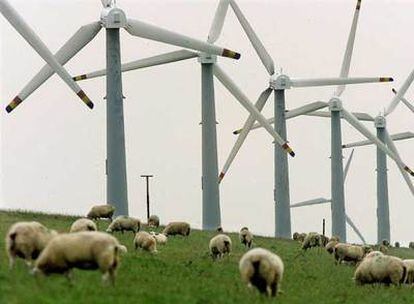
{"x": 153, "y": 221}
{"x": 330, "y": 247}
{"x": 174, "y": 228}
{"x": 380, "y": 269}
{"x": 101, "y": 211}
{"x": 409, "y": 264}
{"x": 160, "y": 238}
{"x": 26, "y": 240}
{"x": 373, "y": 254}
{"x": 350, "y": 253}
{"x": 246, "y": 237}
{"x": 262, "y": 269}
{"x": 219, "y": 246}
{"x": 124, "y": 223}
{"x": 312, "y": 239}
{"x": 84, "y": 250}
{"x": 83, "y": 224}
{"x": 145, "y": 241}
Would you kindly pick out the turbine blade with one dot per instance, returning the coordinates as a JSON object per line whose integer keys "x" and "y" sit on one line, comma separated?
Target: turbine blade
{"x": 401, "y": 92}
{"x": 316, "y": 201}
{"x": 394, "y": 137}
{"x": 356, "y": 230}
{"x": 77, "y": 42}
{"x": 148, "y": 31}
{"x": 144, "y": 63}
{"x": 317, "y": 82}
{"x": 408, "y": 104}
{"x": 293, "y": 113}
{"x": 254, "y": 39}
{"x": 391, "y": 145}
{"x": 346, "y": 63}
{"x": 360, "y": 116}
{"x": 246, "y": 129}
{"x": 348, "y": 164}
{"x": 30, "y": 36}
{"x": 218, "y": 21}
{"x": 353, "y": 121}
{"x": 244, "y": 101}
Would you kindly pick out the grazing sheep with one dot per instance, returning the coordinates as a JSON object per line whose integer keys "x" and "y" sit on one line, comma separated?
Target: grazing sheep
{"x": 350, "y": 253}
{"x": 160, "y": 238}
{"x": 373, "y": 254}
{"x": 312, "y": 239}
{"x": 175, "y": 228}
{"x": 334, "y": 238}
{"x": 83, "y": 224}
{"x": 101, "y": 211}
{"x": 295, "y": 236}
{"x": 246, "y": 237}
{"x": 381, "y": 269}
{"x": 84, "y": 250}
{"x": 330, "y": 247}
{"x": 262, "y": 269}
{"x": 220, "y": 229}
{"x": 153, "y": 221}
{"x": 409, "y": 264}
{"x": 411, "y": 245}
{"x": 145, "y": 241}
{"x": 301, "y": 237}
{"x": 220, "y": 245}
{"x": 124, "y": 223}
{"x": 26, "y": 240}
{"x": 385, "y": 243}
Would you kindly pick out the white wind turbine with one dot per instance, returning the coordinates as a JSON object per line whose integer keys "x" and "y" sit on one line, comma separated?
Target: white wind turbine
{"x": 112, "y": 19}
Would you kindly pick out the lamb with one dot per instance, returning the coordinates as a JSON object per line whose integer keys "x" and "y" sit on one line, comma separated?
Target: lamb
{"x": 26, "y": 240}
{"x": 101, "y": 211}
{"x": 409, "y": 264}
{"x": 83, "y": 224}
{"x": 330, "y": 247}
{"x": 246, "y": 237}
{"x": 380, "y": 269}
{"x": 350, "y": 253}
{"x": 84, "y": 250}
{"x": 145, "y": 241}
{"x": 262, "y": 269}
{"x": 175, "y": 228}
{"x": 124, "y": 223}
{"x": 160, "y": 238}
{"x": 153, "y": 221}
{"x": 219, "y": 246}
{"x": 312, "y": 239}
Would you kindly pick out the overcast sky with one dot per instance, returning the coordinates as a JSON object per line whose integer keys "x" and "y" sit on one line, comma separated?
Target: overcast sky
{"x": 53, "y": 147}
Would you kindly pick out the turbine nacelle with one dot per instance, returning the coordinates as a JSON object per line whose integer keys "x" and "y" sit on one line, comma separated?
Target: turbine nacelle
{"x": 380, "y": 121}
{"x": 280, "y": 82}
{"x": 113, "y": 17}
{"x": 335, "y": 104}
{"x": 205, "y": 58}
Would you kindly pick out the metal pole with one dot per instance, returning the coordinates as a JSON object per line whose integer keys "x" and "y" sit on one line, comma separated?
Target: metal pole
{"x": 337, "y": 177}
{"x": 323, "y": 227}
{"x": 210, "y": 186}
{"x": 148, "y": 200}
{"x": 116, "y": 163}
{"x": 383, "y": 212}
{"x": 281, "y": 191}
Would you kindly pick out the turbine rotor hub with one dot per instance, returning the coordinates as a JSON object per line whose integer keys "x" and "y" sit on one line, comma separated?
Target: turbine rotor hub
{"x": 280, "y": 82}
{"x": 113, "y": 17}
{"x": 205, "y": 58}
{"x": 335, "y": 104}
{"x": 380, "y": 121}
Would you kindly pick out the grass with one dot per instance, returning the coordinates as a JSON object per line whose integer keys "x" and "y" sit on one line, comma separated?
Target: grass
{"x": 183, "y": 272}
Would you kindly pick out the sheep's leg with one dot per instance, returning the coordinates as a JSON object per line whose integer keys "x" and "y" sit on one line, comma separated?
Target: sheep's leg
{"x": 273, "y": 289}
{"x": 12, "y": 260}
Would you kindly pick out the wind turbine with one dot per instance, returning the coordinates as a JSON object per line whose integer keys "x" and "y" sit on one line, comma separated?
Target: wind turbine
{"x": 208, "y": 60}
{"x": 112, "y": 19}
{"x": 383, "y": 214}
{"x": 279, "y": 83}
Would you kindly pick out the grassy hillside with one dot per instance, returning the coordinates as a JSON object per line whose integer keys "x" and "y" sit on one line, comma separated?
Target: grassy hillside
{"x": 183, "y": 272}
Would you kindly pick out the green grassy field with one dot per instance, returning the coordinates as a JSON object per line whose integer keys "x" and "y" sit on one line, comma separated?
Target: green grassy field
{"x": 183, "y": 272}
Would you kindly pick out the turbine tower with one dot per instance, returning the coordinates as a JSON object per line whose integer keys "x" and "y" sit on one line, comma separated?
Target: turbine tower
{"x": 112, "y": 19}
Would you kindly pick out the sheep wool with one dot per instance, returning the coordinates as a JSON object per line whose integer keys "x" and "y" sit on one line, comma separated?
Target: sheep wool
{"x": 174, "y": 228}
{"x": 160, "y": 238}
{"x": 83, "y": 224}
{"x": 312, "y": 239}
{"x": 246, "y": 237}
{"x": 153, "y": 221}
{"x": 262, "y": 269}
{"x": 409, "y": 264}
{"x": 330, "y": 247}
{"x": 145, "y": 241}
{"x": 124, "y": 223}
{"x": 101, "y": 211}
{"x": 350, "y": 253}
{"x": 219, "y": 246}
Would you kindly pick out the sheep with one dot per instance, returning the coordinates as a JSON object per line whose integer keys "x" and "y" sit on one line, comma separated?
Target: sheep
{"x": 160, "y": 238}
{"x": 411, "y": 245}
{"x": 301, "y": 237}
{"x": 145, "y": 241}
{"x": 26, "y": 240}
{"x": 153, "y": 221}
{"x": 373, "y": 254}
{"x": 219, "y": 246}
{"x": 124, "y": 223}
{"x": 220, "y": 229}
{"x": 312, "y": 239}
{"x": 397, "y": 245}
{"x": 175, "y": 228}
{"x": 83, "y": 224}
{"x": 246, "y": 237}
{"x": 409, "y": 264}
{"x": 330, "y": 247}
{"x": 101, "y": 211}
{"x": 380, "y": 269}
{"x": 84, "y": 250}
{"x": 350, "y": 253}
{"x": 334, "y": 238}
{"x": 385, "y": 243}
{"x": 262, "y": 269}
{"x": 295, "y": 236}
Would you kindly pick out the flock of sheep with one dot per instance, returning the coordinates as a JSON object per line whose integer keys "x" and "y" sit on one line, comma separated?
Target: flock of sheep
{"x": 84, "y": 247}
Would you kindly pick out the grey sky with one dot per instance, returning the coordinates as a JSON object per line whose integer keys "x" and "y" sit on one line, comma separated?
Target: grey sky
{"x": 53, "y": 147}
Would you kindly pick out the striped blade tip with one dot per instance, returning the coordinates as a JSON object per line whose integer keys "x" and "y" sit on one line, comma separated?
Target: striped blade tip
{"x": 13, "y": 104}
{"x": 80, "y": 77}
{"x": 237, "y": 132}
{"x": 221, "y": 176}
{"x": 230, "y": 54}
{"x": 85, "y": 99}
{"x": 386, "y": 79}
{"x": 358, "y": 5}
{"x": 288, "y": 150}
{"x": 409, "y": 170}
